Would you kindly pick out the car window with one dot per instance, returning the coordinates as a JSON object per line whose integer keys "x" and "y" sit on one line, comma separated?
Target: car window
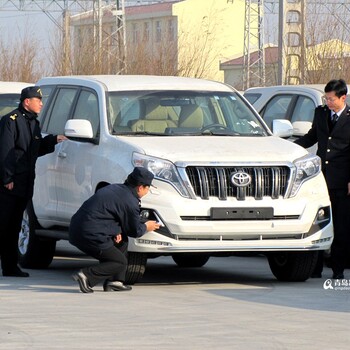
{"x": 181, "y": 112}
{"x": 252, "y": 97}
{"x": 8, "y": 102}
{"x": 303, "y": 110}
{"x": 59, "y": 110}
{"x": 276, "y": 108}
{"x": 87, "y": 108}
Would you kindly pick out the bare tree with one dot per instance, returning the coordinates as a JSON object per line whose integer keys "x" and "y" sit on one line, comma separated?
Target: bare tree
{"x": 20, "y": 57}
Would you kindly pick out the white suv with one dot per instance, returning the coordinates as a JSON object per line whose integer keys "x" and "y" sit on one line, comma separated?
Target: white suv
{"x": 225, "y": 184}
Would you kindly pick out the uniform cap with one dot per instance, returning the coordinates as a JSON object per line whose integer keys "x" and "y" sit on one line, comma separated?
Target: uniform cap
{"x": 141, "y": 176}
{"x": 30, "y": 92}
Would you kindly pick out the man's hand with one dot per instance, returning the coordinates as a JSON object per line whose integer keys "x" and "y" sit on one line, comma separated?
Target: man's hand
{"x": 61, "y": 138}
{"x": 118, "y": 238}
{"x": 348, "y": 188}
{"x": 152, "y": 225}
{"x": 9, "y": 186}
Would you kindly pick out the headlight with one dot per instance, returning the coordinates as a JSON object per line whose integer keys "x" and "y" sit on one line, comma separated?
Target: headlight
{"x": 305, "y": 169}
{"x": 162, "y": 169}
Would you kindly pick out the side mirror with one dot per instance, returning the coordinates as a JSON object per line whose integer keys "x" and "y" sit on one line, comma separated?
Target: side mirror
{"x": 80, "y": 128}
{"x": 301, "y": 128}
{"x": 282, "y": 128}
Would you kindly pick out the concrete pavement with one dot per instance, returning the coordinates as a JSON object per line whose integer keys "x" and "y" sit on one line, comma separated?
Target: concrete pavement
{"x": 230, "y": 303}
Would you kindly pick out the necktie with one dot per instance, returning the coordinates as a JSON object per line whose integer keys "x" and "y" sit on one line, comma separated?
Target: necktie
{"x": 334, "y": 118}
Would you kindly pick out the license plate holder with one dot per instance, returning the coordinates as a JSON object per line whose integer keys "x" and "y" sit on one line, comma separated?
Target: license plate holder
{"x": 241, "y": 213}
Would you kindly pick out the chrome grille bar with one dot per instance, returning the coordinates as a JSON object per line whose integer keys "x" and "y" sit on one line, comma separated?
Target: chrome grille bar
{"x": 216, "y": 182}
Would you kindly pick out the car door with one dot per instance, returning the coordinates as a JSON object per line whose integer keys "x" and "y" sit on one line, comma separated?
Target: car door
{"x": 76, "y": 158}
{"x": 58, "y": 103}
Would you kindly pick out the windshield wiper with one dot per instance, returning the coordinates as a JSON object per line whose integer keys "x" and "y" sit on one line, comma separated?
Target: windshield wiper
{"x": 220, "y": 133}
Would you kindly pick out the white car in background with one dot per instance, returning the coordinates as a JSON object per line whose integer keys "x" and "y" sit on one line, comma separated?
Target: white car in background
{"x": 295, "y": 103}
{"x": 10, "y": 93}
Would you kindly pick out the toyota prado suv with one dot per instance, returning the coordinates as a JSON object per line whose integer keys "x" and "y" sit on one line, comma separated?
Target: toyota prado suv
{"x": 224, "y": 183}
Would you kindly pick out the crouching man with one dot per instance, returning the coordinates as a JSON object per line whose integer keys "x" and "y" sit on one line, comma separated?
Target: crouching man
{"x": 100, "y": 228}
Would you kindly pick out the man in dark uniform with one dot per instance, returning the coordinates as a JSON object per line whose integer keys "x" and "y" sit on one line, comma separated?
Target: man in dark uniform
{"x": 101, "y": 226}
{"x": 331, "y": 129}
{"x": 21, "y": 144}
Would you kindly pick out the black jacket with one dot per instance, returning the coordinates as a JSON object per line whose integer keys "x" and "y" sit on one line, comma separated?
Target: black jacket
{"x": 111, "y": 210}
{"x": 21, "y": 144}
{"x": 333, "y": 145}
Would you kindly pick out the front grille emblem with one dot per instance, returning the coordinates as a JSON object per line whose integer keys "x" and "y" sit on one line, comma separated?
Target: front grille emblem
{"x": 241, "y": 179}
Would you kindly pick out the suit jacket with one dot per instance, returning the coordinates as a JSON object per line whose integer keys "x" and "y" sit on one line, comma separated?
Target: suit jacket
{"x": 333, "y": 145}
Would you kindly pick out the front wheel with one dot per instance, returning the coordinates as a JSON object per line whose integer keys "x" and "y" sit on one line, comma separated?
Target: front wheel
{"x": 34, "y": 252}
{"x": 136, "y": 267}
{"x": 292, "y": 266}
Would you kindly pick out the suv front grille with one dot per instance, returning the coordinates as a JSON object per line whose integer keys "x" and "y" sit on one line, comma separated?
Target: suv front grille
{"x": 216, "y": 182}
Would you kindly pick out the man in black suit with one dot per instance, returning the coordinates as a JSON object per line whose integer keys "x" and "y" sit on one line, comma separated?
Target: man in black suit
{"x": 331, "y": 129}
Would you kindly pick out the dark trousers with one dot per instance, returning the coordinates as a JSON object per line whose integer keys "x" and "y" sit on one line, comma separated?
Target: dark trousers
{"x": 113, "y": 264}
{"x": 341, "y": 221}
{"x": 11, "y": 214}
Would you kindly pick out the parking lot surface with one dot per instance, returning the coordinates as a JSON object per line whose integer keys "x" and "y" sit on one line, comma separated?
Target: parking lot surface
{"x": 230, "y": 303}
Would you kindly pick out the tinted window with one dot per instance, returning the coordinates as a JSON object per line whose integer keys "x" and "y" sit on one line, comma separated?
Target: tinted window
{"x": 8, "y": 102}
{"x": 59, "y": 110}
{"x": 252, "y": 97}
{"x": 87, "y": 108}
{"x": 303, "y": 110}
{"x": 276, "y": 108}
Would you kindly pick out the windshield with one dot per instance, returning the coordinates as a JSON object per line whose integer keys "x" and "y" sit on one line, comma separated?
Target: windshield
{"x": 181, "y": 113}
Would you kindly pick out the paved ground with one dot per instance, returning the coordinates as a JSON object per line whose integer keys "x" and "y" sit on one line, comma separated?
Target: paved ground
{"x": 231, "y": 303}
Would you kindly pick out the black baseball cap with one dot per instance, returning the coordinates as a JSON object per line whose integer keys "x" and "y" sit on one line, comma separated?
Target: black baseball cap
{"x": 141, "y": 176}
{"x": 30, "y": 92}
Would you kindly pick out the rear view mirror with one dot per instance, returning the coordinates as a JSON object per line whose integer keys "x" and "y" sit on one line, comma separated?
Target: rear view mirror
{"x": 282, "y": 128}
{"x": 301, "y": 128}
{"x": 78, "y": 128}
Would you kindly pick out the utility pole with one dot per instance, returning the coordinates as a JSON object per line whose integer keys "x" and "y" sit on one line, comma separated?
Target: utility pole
{"x": 291, "y": 42}
{"x": 253, "y": 66}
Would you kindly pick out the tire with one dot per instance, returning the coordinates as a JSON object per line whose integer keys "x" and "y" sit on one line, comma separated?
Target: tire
{"x": 190, "y": 260}
{"x": 292, "y": 266}
{"x": 136, "y": 267}
{"x": 34, "y": 252}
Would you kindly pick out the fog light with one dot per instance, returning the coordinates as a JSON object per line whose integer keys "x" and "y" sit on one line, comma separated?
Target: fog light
{"x": 145, "y": 214}
{"x": 322, "y": 219}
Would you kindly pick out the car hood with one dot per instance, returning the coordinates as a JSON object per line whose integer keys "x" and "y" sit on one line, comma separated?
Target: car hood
{"x": 213, "y": 149}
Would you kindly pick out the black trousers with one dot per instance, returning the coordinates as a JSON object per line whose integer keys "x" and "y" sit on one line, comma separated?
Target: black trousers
{"x": 340, "y": 249}
{"x": 113, "y": 264}
{"x": 11, "y": 214}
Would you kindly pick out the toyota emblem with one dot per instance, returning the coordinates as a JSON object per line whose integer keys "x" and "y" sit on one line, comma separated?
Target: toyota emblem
{"x": 241, "y": 179}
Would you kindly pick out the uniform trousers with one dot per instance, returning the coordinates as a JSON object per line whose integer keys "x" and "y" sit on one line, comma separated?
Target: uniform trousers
{"x": 112, "y": 267}
{"x": 341, "y": 222}
{"x": 11, "y": 214}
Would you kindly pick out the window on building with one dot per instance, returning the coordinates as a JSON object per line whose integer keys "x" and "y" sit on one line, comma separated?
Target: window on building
{"x": 158, "y": 31}
{"x": 135, "y": 33}
{"x": 146, "y": 31}
{"x": 171, "y": 30}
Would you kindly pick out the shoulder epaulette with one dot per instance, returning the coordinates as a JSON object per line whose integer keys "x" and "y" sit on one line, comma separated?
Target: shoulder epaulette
{"x": 13, "y": 116}
{"x": 324, "y": 107}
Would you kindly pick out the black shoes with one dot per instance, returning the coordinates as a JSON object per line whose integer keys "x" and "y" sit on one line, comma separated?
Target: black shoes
{"x": 83, "y": 282}
{"x": 115, "y": 286}
{"x": 17, "y": 272}
{"x": 338, "y": 276}
{"x": 316, "y": 275}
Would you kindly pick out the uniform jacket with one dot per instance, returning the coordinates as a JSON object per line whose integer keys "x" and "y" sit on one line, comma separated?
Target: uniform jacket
{"x": 333, "y": 145}
{"x": 21, "y": 144}
{"x": 111, "y": 210}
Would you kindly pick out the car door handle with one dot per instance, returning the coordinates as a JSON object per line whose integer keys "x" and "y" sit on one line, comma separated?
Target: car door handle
{"x": 62, "y": 154}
